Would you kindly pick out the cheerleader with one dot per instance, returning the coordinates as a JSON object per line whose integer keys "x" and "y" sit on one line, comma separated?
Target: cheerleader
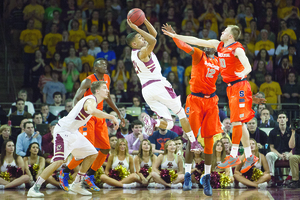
{"x": 9, "y": 158}
{"x": 144, "y": 159}
{"x": 262, "y": 182}
{"x": 120, "y": 157}
{"x": 171, "y": 161}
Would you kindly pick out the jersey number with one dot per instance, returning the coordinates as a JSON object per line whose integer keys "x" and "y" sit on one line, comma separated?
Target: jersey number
{"x": 222, "y": 62}
{"x": 210, "y": 73}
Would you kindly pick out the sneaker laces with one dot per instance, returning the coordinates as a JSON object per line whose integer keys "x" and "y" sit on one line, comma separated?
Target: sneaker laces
{"x": 227, "y": 158}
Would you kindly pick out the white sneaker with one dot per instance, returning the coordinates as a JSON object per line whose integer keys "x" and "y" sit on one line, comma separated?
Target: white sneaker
{"x": 241, "y": 185}
{"x": 151, "y": 185}
{"x": 138, "y": 185}
{"x": 77, "y": 188}
{"x": 22, "y": 186}
{"x": 195, "y": 185}
{"x": 2, "y": 187}
{"x": 105, "y": 185}
{"x": 50, "y": 186}
{"x": 130, "y": 185}
{"x": 159, "y": 186}
{"x": 34, "y": 192}
{"x": 176, "y": 186}
{"x": 263, "y": 185}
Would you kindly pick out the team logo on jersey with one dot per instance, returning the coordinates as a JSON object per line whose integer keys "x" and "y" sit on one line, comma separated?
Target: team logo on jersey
{"x": 58, "y": 147}
{"x": 120, "y": 163}
{"x": 170, "y": 165}
{"x": 229, "y": 48}
{"x": 187, "y": 109}
{"x": 242, "y": 93}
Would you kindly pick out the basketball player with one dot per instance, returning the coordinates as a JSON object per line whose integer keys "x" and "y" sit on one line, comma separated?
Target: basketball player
{"x": 201, "y": 106}
{"x": 67, "y": 139}
{"x": 234, "y": 68}
{"x": 95, "y": 130}
{"x": 156, "y": 90}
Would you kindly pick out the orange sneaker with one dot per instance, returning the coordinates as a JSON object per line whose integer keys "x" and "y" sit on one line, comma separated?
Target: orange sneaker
{"x": 229, "y": 162}
{"x": 249, "y": 162}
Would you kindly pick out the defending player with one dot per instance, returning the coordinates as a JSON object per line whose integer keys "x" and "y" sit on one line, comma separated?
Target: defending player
{"x": 234, "y": 68}
{"x": 156, "y": 90}
{"x": 95, "y": 129}
{"x": 67, "y": 139}
{"x": 201, "y": 106}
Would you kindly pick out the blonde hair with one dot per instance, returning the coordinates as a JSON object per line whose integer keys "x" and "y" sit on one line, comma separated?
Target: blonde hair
{"x": 117, "y": 150}
{"x": 256, "y": 152}
{"x": 235, "y": 31}
{"x": 3, "y": 127}
{"x": 166, "y": 147}
{"x": 96, "y": 85}
{"x": 214, "y": 156}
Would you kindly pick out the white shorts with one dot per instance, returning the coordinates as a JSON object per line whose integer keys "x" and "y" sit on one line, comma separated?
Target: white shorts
{"x": 161, "y": 97}
{"x": 66, "y": 142}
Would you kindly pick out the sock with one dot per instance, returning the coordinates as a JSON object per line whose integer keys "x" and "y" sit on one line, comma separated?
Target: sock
{"x": 98, "y": 161}
{"x": 91, "y": 172}
{"x": 207, "y": 169}
{"x": 39, "y": 182}
{"x": 73, "y": 164}
{"x": 79, "y": 177}
{"x": 234, "y": 151}
{"x": 247, "y": 151}
{"x": 157, "y": 122}
{"x": 188, "y": 167}
{"x": 191, "y": 136}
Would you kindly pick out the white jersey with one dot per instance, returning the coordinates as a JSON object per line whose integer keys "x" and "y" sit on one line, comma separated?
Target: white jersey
{"x": 77, "y": 117}
{"x": 146, "y": 71}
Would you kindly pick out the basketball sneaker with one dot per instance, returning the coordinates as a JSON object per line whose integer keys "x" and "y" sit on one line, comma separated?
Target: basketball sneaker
{"x": 249, "y": 162}
{"x": 230, "y": 162}
{"x": 77, "y": 188}
{"x": 205, "y": 181}
{"x": 34, "y": 191}
{"x": 89, "y": 182}
{"x": 187, "y": 185}
{"x": 63, "y": 180}
{"x": 149, "y": 124}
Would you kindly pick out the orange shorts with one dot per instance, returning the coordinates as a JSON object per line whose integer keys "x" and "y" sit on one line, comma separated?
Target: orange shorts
{"x": 240, "y": 102}
{"x": 203, "y": 113}
{"x": 96, "y": 132}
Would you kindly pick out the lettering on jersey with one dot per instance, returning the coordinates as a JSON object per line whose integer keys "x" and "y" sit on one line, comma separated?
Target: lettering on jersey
{"x": 222, "y": 62}
{"x": 211, "y": 65}
{"x": 242, "y": 93}
{"x": 210, "y": 73}
{"x": 187, "y": 110}
{"x": 224, "y": 55}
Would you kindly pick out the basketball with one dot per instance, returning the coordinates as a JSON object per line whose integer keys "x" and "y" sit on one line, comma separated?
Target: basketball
{"x": 136, "y": 16}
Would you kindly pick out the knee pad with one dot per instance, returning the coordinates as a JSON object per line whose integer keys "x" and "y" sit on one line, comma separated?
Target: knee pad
{"x": 170, "y": 125}
{"x": 181, "y": 114}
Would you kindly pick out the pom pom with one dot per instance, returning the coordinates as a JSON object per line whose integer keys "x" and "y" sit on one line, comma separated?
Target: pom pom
{"x": 5, "y": 175}
{"x": 215, "y": 180}
{"x": 14, "y": 171}
{"x": 97, "y": 176}
{"x": 119, "y": 173}
{"x": 224, "y": 180}
{"x": 257, "y": 173}
{"x": 164, "y": 174}
{"x": 114, "y": 174}
{"x": 200, "y": 166}
{"x": 248, "y": 174}
{"x": 173, "y": 175}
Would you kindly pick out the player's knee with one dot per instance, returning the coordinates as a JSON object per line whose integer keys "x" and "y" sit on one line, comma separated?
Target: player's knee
{"x": 104, "y": 151}
{"x": 181, "y": 114}
{"x": 170, "y": 125}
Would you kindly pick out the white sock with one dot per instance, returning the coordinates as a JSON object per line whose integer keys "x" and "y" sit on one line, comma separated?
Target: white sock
{"x": 191, "y": 136}
{"x": 188, "y": 167}
{"x": 247, "y": 151}
{"x": 234, "y": 151}
{"x": 157, "y": 122}
{"x": 79, "y": 177}
{"x": 39, "y": 182}
{"x": 207, "y": 169}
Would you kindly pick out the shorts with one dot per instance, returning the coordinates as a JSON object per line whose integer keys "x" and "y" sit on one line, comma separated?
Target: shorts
{"x": 203, "y": 113}
{"x": 161, "y": 97}
{"x": 66, "y": 142}
{"x": 95, "y": 130}
{"x": 240, "y": 102}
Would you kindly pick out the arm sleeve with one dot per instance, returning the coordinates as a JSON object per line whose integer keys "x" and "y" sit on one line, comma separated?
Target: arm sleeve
{"x": 182, "y": 45}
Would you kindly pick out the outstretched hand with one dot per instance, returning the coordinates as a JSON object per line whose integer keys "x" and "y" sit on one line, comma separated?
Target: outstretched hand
{"x": 168, "y": 33}
{"x": 132, "y": 25}
{"x": 168, "y": 28}
{"x": 258, "y": 100}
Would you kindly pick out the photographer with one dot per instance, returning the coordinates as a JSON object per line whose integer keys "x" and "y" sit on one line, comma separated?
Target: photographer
{"x": 294, "y": 143}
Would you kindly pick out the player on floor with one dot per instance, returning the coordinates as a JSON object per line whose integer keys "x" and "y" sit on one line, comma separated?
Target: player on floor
{"x": 96, "y": 129}
{"x": 201, "y": 106}
{"x": 234, "y": 69}
{"x": 67, "y": 139}
{"x": 157, "y": 91}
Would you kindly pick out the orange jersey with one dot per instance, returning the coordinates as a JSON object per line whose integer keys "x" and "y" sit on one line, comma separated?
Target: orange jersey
{"x": 205, "y": 71}
{"x": 229, "y": 62}
{"x": 94, "y": 78}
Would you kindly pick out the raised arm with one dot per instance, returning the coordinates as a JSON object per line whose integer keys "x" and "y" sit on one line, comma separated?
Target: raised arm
{"x": 85, "y": 84}
{"x": 150, "y": 28}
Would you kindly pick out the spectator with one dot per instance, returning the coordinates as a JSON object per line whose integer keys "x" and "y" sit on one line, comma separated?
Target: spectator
{"x": 76, "y": 34}
{"x": 184, "y": 59}
{"x": 294, "y": 143}
{"x": 47, "y": 143}
{"x": 258, "y": 75}
{"x": 285, "y": 67}
{"x": 270, "y": 19}
{"x": 107, "y": 54}
{"x": 124, "y": 52}
{"x": 93, "y": 50}
{"x": 176, "y": 85}
{"x": 176, "y": 129}
{"x": 112, "y": 141}
{"x": 35, "y": 12}
{"x": 9, "y": 154}
{"x": 112, "y": 39}
{"x": 95, "y": 36}
{"x": 179, "y": 147}
{"x": 279, "y": 145}
{"x": 109, "y": 20}
{"x": 87, "y": 58}
{"x": 209, "y": 34}
{"x": 288, "y": 11}
{"x": 78, "y": 17}
{"x": 31, "y": 44}
{"x": 122, "y": 109}
{"x": 264, "y": 43}
{"x": 291, "y": 92}
{"x": 51, "y": 87}
{"x": 22, "y": 94}
{"x": 120, "y": 74}
{"x": 247, "y": 40}
{"x": 254, "y": 88}
{"x": 56, "y": 20}
{"x": 120, "y": 92}
{"x": 229, "y": 18}
{"x": 175, "y": 68}
{"x": 50, "y": 9}
{"x": 37, "y": 69}
{"x": 212, "y": 15}
{"x": 73, "y": 58}
{"x": 20, "y": 104}
{"x": 159, "y": 138}
{"x": 26, "y": 138}
{"x": 227, "y": 144}
{"x": 227, "y": 126}
{"x": 271, "y": 35}
{"x": 221, "y": 90}
{"x": 123, "y": 133}
{"x": 265, "y": 120}
{"x": 171, "y": 18}
{"x": 50, "y": 41}
{"x": 68, "y": 108}
{"x": 48, "y": 117}
{"x": 293, "y": 60}
{"x": 264, "y": 56}
{"x": 95, "y": 20}
{"x": 189, "y": 16}
{"x": 252, "y": 30}
{"x": 86, "y": 71}
{"x": 44, "y": 78}
{"x": 260, "y": 136}
{"x": 57, "y": 97}
{"x": 248, "y": 16}
{"x": 37, "y": 118}
{"x": 57, "y": 64}
{"x": 284, "y": 30}
{"x": 82, "y": 43}
{"x": 86, "y": 14}
{"x": 63, "y": 47}
{"x": 68, "y": 11}
{"x": 282, "y": 48}
{"x": 135, "y": 138}
{"x": 69, "y": 76}
{"x": 134, "y": 87}
{"x": 5, "y": 134}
